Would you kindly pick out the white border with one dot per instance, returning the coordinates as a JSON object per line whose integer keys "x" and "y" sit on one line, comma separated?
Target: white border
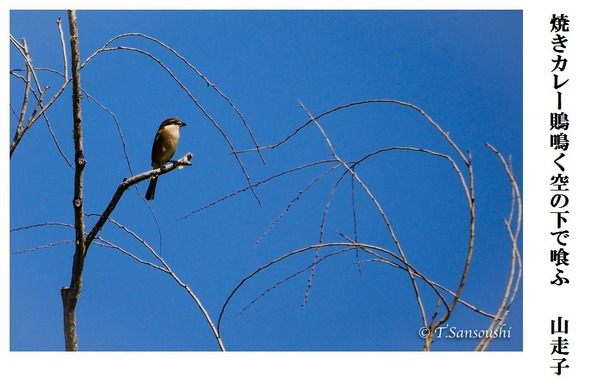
{"x": 387, "y": 370}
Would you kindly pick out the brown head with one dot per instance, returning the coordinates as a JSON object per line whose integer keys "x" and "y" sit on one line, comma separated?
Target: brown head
{"x": 171, "y": 121}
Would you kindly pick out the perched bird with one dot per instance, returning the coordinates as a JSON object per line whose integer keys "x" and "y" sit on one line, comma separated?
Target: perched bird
{"x": 163, "y": 148}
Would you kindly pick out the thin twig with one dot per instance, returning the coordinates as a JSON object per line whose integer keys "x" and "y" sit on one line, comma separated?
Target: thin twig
{"x": 383, "y": 260}
{"x": 210, "y": 84}
{"x": 169, "y": 271}
{"x": 103, "y": 242}
{"x": 56, "y": 143}
{"x": 128, "y": 161}
{"x": 40, "y": 108}
{"x": 125, "y": 184}
{"x": 302, "y": 250}
{"x": 20, "y": 131}
{"x": 381, "y": 213}
{"x": 354, "y": 165}
{"x": 119, "y": 130}
{"x": 64, "y": 48}
{"x": 289, "y": 277}
{"x": 294, "y": 200}
{"x": 42, "y": 224}
{"x": 372, "y": 250}
{"x": 513, "y": 282}
{"x": 258, "y": 183}
{"x": 354, "y": 218}
{"x": 367, "y": 102}
{"x": 191, "y": 96}
{"x": 50, "y": 245}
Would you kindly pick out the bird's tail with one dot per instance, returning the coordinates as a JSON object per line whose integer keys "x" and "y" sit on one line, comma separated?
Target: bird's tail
{"x": 151, "y": 188}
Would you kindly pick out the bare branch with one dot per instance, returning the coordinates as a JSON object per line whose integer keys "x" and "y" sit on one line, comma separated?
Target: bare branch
{"x": 298, "y": 251}
{"x": 20, "y": 131}
{"x": 49, "y": 126}
{"x": 258, "y": 183}
{"x": 407, "y": 267}
{"x": 38, "y": 225}
{"x": 372, "y": 249}
{"x": 21, "y": 128}
{"x": 121, "y": 135}
{"x": 381, "y": 213}
{"x": 383, "y": 260}
{"x": 514, "y": 281}
{"x": 64, "y": 49}
{"x": 366, "y": 102}
{"x": 471, "y": 241}
{"x": 50, "y": 245}
{"x": 42, "y": 224}
{"x": 128, "y": 161}
{"x": 294, "y": 200}
{"x": 354, "y": 165}
{"x": 210, "y": 84}
{"x": 70, "y": 294}
{"x": 125, "y": 184}
{"x": 192, "y": 97}
{"x": 108, "y": 244}
{"x": 40, "y": 108}
{"x": 354, "y": 218}
{"x": 290, "y": 277}
{"x": 169, "y": 271}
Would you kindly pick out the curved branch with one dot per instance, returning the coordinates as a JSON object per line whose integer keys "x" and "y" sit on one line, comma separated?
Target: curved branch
{"x": 192, "y": 97}
{"x": 169, "y": 271}
{"x": 381, "y": 259}
{"x": 195, "y": 70}
{"x": 258, "y": 183}
{"x": 513, "y": 282}
{"x": 313, "y": 247}
{"x": 355, "y": 164}
{"x": 294, "y": 200}
{"x": 380, "y": 210}
{"x": 366, "y": 102}
{"x": 105, "y": 243}
{"x": 290, "y": 277}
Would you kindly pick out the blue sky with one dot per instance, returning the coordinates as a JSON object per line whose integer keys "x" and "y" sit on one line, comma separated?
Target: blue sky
{"x": 463, "y": 68}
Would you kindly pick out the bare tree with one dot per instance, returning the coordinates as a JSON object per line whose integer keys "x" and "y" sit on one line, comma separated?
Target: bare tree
{"x": 84, "y": 240}
{"x": 432, "y": 316}
{"x": 447, "y": 299}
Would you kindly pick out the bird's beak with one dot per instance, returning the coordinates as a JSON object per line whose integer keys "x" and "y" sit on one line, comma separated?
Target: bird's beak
{"x": 182, "y": 124}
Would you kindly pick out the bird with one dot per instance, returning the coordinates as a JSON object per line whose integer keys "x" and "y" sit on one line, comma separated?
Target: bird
{"x": 163, "y": 148}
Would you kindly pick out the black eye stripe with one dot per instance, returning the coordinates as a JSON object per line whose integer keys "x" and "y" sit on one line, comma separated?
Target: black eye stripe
{"x": 171, "y": 122}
